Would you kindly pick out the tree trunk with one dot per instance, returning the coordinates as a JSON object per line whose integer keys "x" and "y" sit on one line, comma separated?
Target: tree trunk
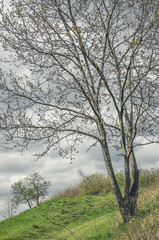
{"x": 37, "y": 201}
{"x": 29, "y": 204}
{"x": 128, "y": 207}
{"x": 128, "y": 204}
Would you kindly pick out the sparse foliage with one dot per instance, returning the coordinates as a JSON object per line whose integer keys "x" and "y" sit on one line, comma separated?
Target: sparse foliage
{"x": 31, "y": 190}
{"x": 9, "y": 208}
{"x": 94, "y": 75}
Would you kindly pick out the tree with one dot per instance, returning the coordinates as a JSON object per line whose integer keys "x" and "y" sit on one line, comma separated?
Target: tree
{"x": 94, "y": 74}
{"x": 39, "y": 185}
{"x": 30, "y": 190}
{"x": 9, "y": 209}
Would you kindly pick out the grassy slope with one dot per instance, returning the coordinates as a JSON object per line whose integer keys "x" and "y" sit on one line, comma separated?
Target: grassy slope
{"x": 86, "y": 218}
{"x": 72, "y": 218}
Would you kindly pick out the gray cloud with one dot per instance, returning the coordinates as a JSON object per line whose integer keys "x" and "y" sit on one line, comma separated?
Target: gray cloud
{"x": 148, "y": 156}
{"x": 62, "y": 174}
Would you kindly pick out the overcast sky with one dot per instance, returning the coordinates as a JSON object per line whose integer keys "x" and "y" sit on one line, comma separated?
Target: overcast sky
{"x": 14, "y": 166}
{"x": 61, "y": 173}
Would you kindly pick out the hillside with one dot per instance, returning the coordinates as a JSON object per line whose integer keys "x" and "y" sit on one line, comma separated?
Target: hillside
{"x": 62, "y": 219}
{"x": 87, "y": 218}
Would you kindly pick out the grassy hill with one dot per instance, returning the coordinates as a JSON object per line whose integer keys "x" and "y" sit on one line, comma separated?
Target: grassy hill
{"x": 88, "y": 217}
{"x": 67, "y": 218}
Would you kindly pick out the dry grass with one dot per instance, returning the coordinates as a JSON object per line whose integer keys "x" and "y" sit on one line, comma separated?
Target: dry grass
{"x": 146, "y": 225}
{"x": 99, "y": 184}
{"x": 69, "y": 192}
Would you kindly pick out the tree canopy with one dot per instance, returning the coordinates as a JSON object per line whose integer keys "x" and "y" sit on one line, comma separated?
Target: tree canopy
{"x": 31, "y": 190}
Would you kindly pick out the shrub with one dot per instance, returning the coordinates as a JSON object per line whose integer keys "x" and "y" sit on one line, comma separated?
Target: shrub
{"x": 69, "y": 192}
{"x": 95, "y": 184}
{"x": 120, "y": 176}
{"x": 148, "y": 177}
{"x": 99, "y": 184}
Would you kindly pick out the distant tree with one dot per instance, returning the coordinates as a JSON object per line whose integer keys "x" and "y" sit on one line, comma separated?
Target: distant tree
{"x": 39, "y": 185}
{"x": 31, "y": 190}
{"x": 9, "y": 208}
{"x": 22, "y": 193}
{"x": 94, "y": 68}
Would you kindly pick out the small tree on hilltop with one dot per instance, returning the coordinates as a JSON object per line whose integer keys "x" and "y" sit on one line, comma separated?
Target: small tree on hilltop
{"x": 39, "y": 186}
{"x": 31, "y": 190}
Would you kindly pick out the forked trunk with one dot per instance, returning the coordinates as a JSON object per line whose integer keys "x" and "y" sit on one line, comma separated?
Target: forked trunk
{"x": 128, "y": 207}
{"x": 128, "y": 204}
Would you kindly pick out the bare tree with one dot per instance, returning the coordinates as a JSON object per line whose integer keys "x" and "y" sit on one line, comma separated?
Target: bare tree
{"x": 94, "y": 74}
{"x": 8, "y": 209}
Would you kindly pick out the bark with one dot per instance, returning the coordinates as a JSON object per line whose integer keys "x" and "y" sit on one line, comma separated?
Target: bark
{"x": 28, "y": 203}
{"x": 37, "y": 201}
{"x": 128, "y": 208}
{"x": 128, "y": 203}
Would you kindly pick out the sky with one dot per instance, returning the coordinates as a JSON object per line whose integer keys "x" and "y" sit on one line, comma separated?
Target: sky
{"x": 61, "y": 172}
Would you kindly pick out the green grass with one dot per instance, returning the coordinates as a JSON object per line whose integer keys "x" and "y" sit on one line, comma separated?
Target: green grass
{"x": 67, "y": 218}
{"x": 88, "y": 217}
